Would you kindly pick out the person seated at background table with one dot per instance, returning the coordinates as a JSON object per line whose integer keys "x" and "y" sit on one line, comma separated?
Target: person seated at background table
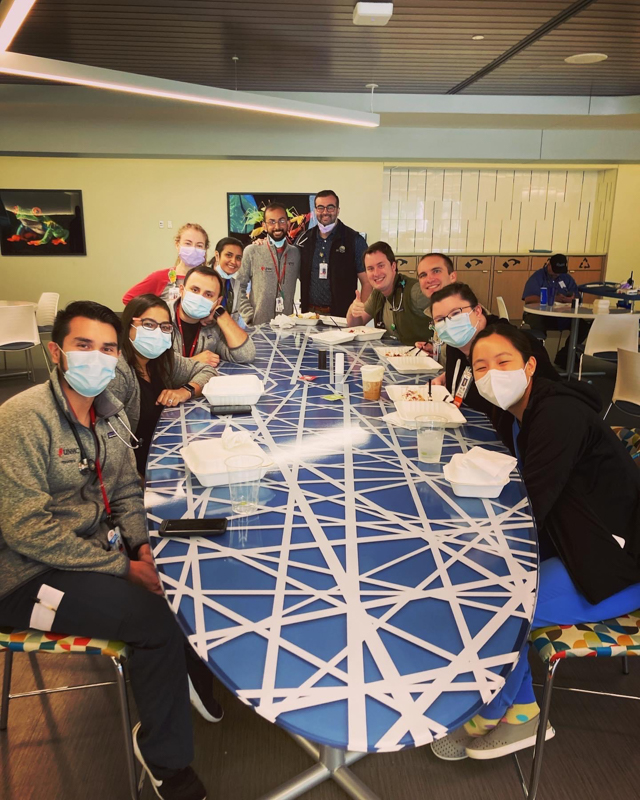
{"x": 396, "y": 302}
{"x": 272, "y": 268}
{"x": 435, "y": 271}
{"x": 74, "y": 550}
{"x": 331, "y": 261}
{"x": 205, "y": 331}
{"x": 561, "y": 288}
{"x": 149, "y": 373}
{"x": 585, "y": 494}
{"x": 226, "y": 261}
{"x": 192, "y": 243}
{"x": 458, "y": 318}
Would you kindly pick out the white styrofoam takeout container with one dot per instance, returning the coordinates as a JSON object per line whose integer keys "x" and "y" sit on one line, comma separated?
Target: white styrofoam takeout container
{"x": 206, "y": 458}
{"x": 233, "y": 390}
{"x": 486, "y": 491}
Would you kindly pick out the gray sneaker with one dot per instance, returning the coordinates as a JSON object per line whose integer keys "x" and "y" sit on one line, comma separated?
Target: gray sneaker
{"x": 453, "y": 746}
{"x": 506, "y": 738}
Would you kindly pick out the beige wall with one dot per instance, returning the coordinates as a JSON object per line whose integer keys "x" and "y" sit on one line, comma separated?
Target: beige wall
{"x": 624, "y": 247}
{"x": 124, "y": 199}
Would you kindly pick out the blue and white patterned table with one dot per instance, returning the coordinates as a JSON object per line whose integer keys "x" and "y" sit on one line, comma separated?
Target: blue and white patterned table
{"x": 365, "y": 607}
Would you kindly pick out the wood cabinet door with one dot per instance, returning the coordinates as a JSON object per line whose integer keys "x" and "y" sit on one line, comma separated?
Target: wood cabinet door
{"x": 585, "y": 264}
{"x": 464, "y": 264}
{"x": 537, "y": 262}
{"x": 408, "y": 265}
{"x": 511, "y": 263}
{"x": 480, "y": 282}
{"x": 509, "y": 286}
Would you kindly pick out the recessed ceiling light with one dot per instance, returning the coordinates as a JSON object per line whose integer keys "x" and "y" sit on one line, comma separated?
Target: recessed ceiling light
{"x": 477, "y": 38}
{"x": 586, "y": 58}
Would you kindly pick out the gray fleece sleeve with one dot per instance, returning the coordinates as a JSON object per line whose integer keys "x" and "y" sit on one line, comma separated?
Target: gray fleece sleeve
{"x": 125, "y": 387}
{"x": 185, "y": 370}
{"x": 28, "y": 526}
{"x": 127, "y": 505}
{"x": 242, "y": 281}
{"x": 243, "y": 354}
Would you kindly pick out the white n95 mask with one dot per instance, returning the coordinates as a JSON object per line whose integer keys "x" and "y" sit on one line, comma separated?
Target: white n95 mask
{"x": 503, "y": 388}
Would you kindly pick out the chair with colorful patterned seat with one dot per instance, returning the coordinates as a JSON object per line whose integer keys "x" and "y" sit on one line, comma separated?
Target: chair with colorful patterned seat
{"x": 607, "y": 639}
{"x": 30, "y": 640}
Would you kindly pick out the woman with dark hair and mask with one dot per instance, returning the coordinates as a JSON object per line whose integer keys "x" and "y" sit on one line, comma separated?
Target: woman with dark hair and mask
{"x": 150, "y": 374}
{"x": 585, "y": 495}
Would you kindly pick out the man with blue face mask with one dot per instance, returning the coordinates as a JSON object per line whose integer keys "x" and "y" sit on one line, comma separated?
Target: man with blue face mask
{"x": 205, "y": 330}
{"x": 272, "y": 267}
{"x": 458, "y": 318}
{"x": 74, "y": 552}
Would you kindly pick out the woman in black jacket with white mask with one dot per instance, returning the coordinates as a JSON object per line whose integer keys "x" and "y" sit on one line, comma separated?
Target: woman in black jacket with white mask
{"x": 585, "y": 494}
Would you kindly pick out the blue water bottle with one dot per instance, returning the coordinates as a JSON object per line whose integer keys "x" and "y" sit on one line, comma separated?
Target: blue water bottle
{"x": 544, "y": 297}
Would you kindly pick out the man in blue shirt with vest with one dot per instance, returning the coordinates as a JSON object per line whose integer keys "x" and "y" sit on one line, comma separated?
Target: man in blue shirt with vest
{"x": 561, "y": 288}
{"x": 331, "y": 262}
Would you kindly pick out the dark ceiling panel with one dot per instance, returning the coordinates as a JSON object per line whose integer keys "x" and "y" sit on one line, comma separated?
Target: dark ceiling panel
{"x": 306, "y": 46}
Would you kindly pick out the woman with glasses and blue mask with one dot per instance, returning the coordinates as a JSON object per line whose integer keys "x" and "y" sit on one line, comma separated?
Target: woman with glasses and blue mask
{"x": 150, "y": 375}
{"x": 458, "y": 318}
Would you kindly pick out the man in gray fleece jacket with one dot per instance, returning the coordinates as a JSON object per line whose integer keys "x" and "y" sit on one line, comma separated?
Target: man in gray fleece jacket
{"x": 272, "y": 266}
{"x": 74, "y": 553}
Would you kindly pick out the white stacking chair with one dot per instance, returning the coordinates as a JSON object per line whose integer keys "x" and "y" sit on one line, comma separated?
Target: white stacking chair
{"x": 19, "y": 332}
{"x": 46, "y": 311}
{"x": 608, "y": 334}
{"x": 626, "y": 394}
{"x": 503, "y": 311}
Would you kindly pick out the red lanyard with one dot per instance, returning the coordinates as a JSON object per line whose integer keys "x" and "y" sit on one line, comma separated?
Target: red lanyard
{"x": 195, "y": 340}
{"x": 284, "y": 269}
{"x": 107, "y": 507}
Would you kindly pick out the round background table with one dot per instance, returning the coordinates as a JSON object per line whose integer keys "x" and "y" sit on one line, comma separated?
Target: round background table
{"x": 567, "y": 311}
{"x": 608, "y": 290}
{"x": 365, "y": 607}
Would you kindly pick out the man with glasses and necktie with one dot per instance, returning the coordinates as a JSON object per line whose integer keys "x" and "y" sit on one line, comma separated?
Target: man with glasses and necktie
{"x": 331, "y": 261}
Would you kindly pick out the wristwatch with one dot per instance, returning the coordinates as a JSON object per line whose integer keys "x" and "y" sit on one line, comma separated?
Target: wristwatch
{"x": 219, "y": 312}
{"x": 190, "y": 389}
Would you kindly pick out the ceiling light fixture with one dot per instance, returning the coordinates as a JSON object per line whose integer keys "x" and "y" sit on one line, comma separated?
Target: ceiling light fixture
{"x": 477, "y": 38}
{"x": 586, "y": 58}
{"x": 11, "y": 18}
{"x": 81, "y": 75}
{"x": 375, "y": 14}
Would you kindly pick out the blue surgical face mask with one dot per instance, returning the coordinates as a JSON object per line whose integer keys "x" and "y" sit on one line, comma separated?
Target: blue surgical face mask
{"x": 195, "y": 305}
{"x": 89, "y": 372}
{"x": 457, "y": 331}
{"x": 225, "y": 276}
{"x": 151, "y": 344}
{"x": 278, "y": 242}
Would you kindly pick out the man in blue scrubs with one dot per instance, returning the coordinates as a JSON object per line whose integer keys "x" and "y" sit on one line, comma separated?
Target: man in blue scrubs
{"x": 561, "y": 288}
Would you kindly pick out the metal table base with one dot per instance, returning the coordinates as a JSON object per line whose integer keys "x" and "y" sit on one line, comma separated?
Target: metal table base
{"x": 332, "y": 764}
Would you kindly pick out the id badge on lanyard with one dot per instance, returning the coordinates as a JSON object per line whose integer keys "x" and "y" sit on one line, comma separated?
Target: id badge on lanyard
{"x": 324, "y": 271}
{"x": 114, "y": 536}
{"x": 280, "y": 278}
{"x": 279, "y": 304}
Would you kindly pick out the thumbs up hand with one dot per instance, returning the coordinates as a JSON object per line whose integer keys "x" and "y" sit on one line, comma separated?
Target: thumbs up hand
{"x": 357, "y": 307}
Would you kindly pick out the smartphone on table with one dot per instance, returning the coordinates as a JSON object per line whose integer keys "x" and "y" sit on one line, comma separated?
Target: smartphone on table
{"x": 183, "y": 528}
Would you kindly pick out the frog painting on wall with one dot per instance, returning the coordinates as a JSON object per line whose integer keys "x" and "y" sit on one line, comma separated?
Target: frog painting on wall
{"x": 41, "y": 222}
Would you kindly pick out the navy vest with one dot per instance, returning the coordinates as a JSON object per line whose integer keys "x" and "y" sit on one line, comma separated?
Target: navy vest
{"x": 343, "y": 274}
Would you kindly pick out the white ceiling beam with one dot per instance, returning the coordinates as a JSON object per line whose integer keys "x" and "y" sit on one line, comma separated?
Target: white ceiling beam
{"x": 114, "y": 80}
{"x": 12, "y": 14}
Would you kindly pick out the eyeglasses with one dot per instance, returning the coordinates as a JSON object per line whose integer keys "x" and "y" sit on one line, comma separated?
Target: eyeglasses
{"x": 455, "y": 313}
{"x": 282, "y": 221}
{"x": 151, "y": 324}
{"x": 330, "y": 208}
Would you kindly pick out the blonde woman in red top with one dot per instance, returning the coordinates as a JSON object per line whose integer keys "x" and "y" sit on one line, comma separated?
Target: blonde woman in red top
{"x": 192, "y": 243}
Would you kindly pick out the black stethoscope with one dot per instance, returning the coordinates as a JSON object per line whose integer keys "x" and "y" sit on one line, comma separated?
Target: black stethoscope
{"x": 87, "y": 464}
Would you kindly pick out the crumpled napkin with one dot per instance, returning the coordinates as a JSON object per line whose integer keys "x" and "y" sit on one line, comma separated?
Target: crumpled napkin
{"x": 480, "y": 467}
{"x": 233, "y": 439}
{"x": 281, "y": 321}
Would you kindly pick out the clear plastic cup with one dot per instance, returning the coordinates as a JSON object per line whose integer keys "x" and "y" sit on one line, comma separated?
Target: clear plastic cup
{"x": 372, "y": 375}
{"x": 244, "y": 483}
{"x": 430, "y": 433}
